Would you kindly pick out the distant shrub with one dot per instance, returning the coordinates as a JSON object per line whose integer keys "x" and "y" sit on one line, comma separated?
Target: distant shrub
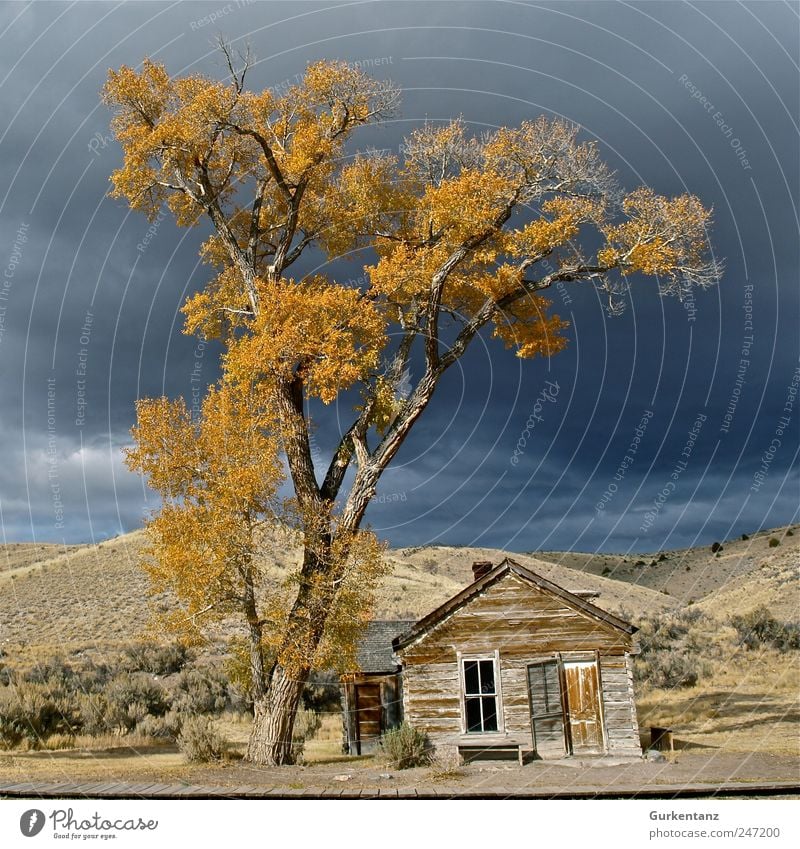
{"x": 662, "y": 557}
{"x": 774, "y": 542}
{"x": 94, "y": 712}
{"x": 54, "y": 671}
{"x": 745, "y": 537}
{"x": 200, "y": 690}
{"x": 156, "y": 658}
{"x": 690, "y": 616}
{"x": 92, "y": 677}
{"x": 405, "y": 747}
{"x": 670, "y": 647}
{"x": 760, "y": 628}
{"x": 306, "y": 725}
{"x": 167, "y": 727}
{"x": 34, "y": 711}
{"x": 669, "y": 670}
{"x": 790, "y": 533}
{"x": 715, "y": 547}
{"x": 199, "y": 740}
{"x": 131, "y": 697}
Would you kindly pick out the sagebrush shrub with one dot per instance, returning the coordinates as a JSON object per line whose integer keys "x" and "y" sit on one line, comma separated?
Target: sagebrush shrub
{"x": 131, "y": 697}
{"x": 199, "y": 740}
{"x": 670, "y": 645}
{"x": 669, "y": 670}
{"x": 156, "y": 658}
{"x": 33, "y": 711}
{"x": 201, "y": 690}
{"x": 405, "y": 747}
{"x": 167, "y": 727}
{"x": 760, "y": 628}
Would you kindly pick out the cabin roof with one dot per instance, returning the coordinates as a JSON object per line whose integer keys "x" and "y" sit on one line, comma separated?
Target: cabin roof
{"x": 375, "y": 652}
{"x": 505, "y": 567}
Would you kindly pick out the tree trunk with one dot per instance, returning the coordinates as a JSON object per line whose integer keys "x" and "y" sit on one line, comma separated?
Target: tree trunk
{"x": 270, "y": 741}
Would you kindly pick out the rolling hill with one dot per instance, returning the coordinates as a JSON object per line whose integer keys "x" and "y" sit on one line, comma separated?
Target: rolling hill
{"x": 97, "y": 595}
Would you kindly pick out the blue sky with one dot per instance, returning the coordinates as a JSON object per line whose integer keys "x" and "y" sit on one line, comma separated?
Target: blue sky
{"x": 698, "y": 97}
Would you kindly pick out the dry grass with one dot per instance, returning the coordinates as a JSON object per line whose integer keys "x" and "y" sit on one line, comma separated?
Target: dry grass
{"x": 748, "y": 704}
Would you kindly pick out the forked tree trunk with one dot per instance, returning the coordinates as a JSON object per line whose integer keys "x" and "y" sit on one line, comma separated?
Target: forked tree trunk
{"x": 273, "y": 721}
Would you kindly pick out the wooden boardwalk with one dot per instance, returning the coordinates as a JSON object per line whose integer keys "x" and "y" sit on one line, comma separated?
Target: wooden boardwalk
{"x": 116, "y": 790}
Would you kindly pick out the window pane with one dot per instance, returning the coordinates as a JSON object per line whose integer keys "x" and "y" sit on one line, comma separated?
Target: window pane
{"x": 487, "y": 676}
{"x": 551, "y": 685}
{"x": 489, "y": 713}
{"x": 473, "y": 714}
{"x": 544, "y": 688}
{"x": 471, "y": 683}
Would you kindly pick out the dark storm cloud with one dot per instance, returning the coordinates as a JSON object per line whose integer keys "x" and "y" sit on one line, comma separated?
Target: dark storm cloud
{"x": 700, "y": 98}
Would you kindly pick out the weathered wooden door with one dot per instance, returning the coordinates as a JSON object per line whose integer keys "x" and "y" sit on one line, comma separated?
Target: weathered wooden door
{"x": 583, "y": 706}
{"x": 547, "y": 709}
{"x": 368, "y": 716}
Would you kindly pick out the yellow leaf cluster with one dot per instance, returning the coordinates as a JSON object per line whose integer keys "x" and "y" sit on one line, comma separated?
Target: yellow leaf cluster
{"x": 661, "y": 236}
{"x": 218, "y": 476}
{"x": 331, "y": 332}
{"x": 529, "y": 327}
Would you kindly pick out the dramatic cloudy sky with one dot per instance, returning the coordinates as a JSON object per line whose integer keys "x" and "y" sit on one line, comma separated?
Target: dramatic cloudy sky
{"x": 698, "y": 96}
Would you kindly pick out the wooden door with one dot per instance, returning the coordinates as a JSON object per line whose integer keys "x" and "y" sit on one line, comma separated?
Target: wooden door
{"x": 368, "y": 716}
{"x": 583, "y": 706}
{"x": 547, "y": 709}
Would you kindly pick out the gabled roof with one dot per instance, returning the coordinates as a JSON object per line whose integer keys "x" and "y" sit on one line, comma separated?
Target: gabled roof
{"x": 504, "y": 568}
{"x": 375, "y": 652}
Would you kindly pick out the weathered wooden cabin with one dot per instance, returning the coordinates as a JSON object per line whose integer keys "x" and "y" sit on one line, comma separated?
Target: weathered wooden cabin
{"x": 372, "y": 697}
{"x": 517, "y": 664}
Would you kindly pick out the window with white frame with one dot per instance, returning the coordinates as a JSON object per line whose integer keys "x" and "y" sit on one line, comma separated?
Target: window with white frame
{"x": 481, "y": 691}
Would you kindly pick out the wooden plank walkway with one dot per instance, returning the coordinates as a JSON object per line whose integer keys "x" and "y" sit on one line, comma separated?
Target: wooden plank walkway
{"x": 112, "y": 790}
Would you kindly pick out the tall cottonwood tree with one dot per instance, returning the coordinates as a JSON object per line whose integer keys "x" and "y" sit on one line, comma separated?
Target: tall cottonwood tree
{"x": 459, "y": 233}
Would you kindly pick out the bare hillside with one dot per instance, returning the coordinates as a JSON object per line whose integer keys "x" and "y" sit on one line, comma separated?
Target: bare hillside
{"x": 688, "y": 574}
{"x": 97, "y": 595}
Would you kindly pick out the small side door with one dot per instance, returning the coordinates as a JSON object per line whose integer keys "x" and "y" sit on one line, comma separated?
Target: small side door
{"x": 368, "y": 717}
